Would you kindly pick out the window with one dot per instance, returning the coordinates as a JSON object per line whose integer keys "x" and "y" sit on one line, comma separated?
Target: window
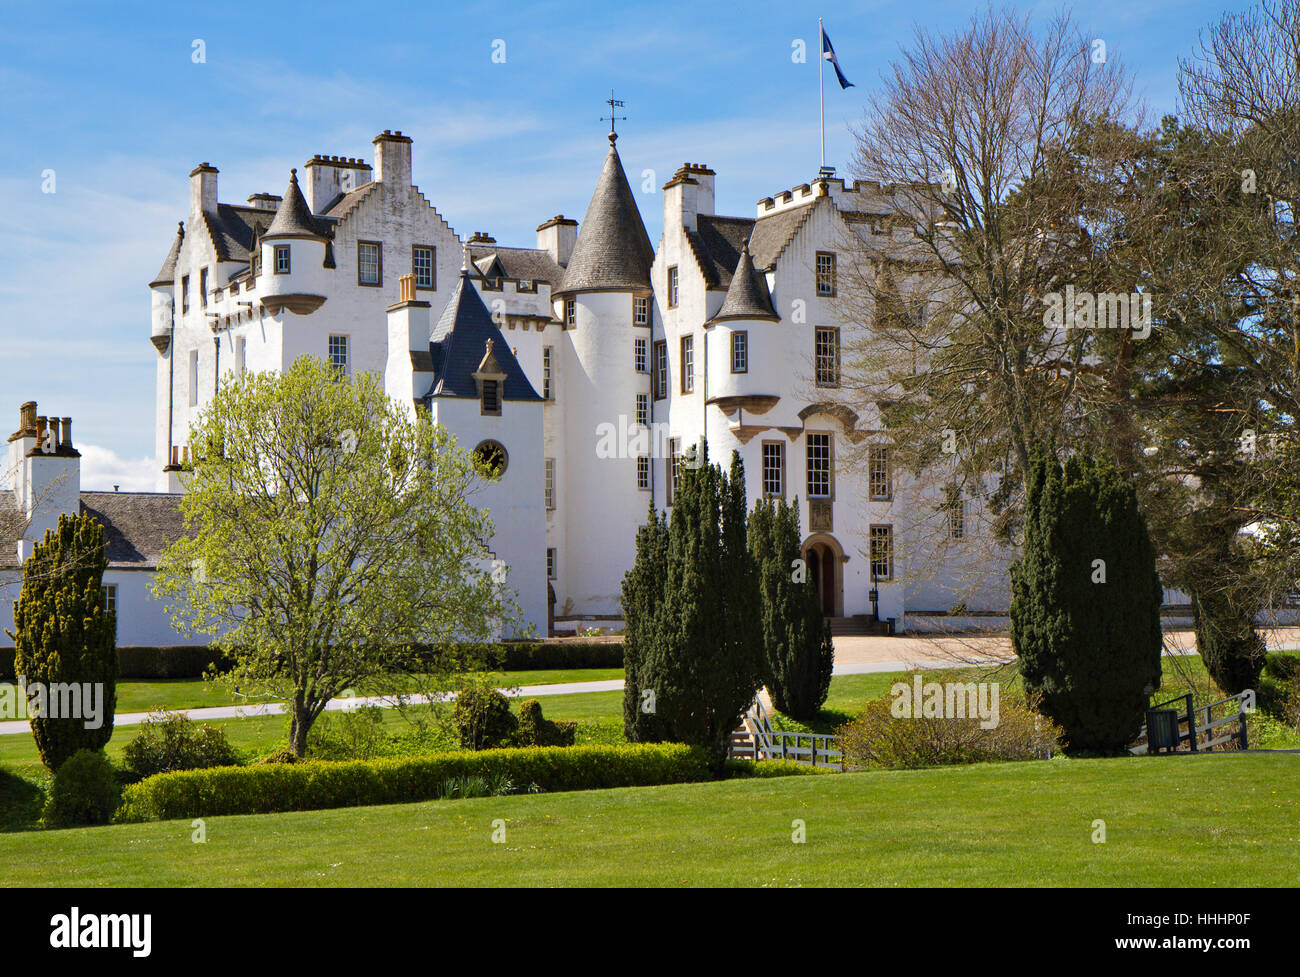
{"x": 661, "y": 369}
{"x": 338, "y": 353}
{"x": 774, "y": 469}
{"x": 422, "y": 264}
{"x": 956, "y": 511}
{"x": 282, "y": 259}
{"x": 551, "y": 561}
{"x": 740, "y": 352}
{"x": 882, "y": 552}
{"x": 673, "y": 464}
{"x": 827, "y": 354}
{"x": 194, "y": 377}
{"x": 240, "y": 350}
{"x": 688, "y": 364}
{"x": 491, "y": 458}
{"x": 643, "y": 473}
{"x": 570, "y": 312}
{"x": 672, "y": 287}
{"x": 878, "y": 482}
{"x": 370, "y": 263}
{"x": 819, "y": 466}
{"x": 185, "y": 294}
{"x": 639, "y": 355}
{"x": 643, "y": 409}
{"x": 491, "y": 397}
{"x": 548, "y": 383}
{"x": 825, "y": 273}
{"x": 550, "y": 483}
{"x": 640, "y": 312}
{"x": 203, "y": 288}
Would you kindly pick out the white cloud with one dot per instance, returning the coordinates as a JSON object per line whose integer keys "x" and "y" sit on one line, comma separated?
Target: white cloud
{"x": 101, "y": 469}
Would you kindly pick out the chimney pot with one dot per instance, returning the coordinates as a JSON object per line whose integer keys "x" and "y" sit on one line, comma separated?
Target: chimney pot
{"x": 67, "y": 431}
{"x": 407, "y": 283}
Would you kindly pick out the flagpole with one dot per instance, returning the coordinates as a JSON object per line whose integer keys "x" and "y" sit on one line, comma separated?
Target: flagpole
{"x": 821, "y": 89}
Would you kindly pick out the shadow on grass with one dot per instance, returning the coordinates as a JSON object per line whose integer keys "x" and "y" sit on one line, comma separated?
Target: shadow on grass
{"x": 21, "y": 802}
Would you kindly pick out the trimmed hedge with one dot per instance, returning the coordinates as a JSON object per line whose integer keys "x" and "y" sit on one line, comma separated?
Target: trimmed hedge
{"x": 526, "y": 656}
{"x": 191, "y": 661}
{"x": 315, "y": 785}
{"x": 179, "y": 661}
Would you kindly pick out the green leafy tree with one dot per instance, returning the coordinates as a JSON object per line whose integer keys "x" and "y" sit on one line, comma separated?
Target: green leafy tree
{"x": 330, "y": 539}
{"x": 690, "y": 599}
{"x": 64, "y": 636}
{"x": 798, "y": 650}
{"x": 1085, "y": 605}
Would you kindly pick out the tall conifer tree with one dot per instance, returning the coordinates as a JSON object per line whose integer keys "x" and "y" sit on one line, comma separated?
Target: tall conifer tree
{"x": 63, "y": 633}
{"x": 1085, "y": 605}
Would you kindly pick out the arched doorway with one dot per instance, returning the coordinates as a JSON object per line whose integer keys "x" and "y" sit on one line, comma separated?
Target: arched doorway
{"x": 825, "y": 560}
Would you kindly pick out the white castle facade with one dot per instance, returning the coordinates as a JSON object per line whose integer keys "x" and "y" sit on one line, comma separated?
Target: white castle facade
{"x": 588, "y": 365}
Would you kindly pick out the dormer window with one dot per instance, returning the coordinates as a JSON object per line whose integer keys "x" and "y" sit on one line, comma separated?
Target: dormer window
{"x": 282, "y": 259}
{"x": 491, "y": 383}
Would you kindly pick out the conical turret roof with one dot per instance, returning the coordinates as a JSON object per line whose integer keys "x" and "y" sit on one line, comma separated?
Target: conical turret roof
{"x": 747, "y": 296}
{"x": 613, "y": 251}
{"x": 459, "y": 344}
{"x": 167, "y": 273}
{"x": 293, "y": 218}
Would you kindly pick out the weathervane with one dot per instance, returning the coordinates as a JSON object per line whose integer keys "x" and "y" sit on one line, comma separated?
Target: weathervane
{"x": 613, "y": 103}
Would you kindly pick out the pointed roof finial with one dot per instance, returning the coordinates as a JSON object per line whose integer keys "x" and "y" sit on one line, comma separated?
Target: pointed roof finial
{"x": 613, "y": 103}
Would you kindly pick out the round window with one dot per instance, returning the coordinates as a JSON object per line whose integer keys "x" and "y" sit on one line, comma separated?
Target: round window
{"x": 491, "y": 458}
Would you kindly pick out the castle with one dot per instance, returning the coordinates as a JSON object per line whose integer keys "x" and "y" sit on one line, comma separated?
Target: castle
{"x": 584, "y": 368}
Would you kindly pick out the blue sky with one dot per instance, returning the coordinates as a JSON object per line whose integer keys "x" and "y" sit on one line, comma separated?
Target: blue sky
{"x": 109, "y": 98}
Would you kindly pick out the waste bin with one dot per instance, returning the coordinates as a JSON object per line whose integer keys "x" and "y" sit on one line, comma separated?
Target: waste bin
{"x": 1162, "y": 730}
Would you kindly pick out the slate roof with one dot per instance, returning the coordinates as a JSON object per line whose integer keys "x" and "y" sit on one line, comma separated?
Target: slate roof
{"x": 459, "y": 341}
{"x": 613, "y": 250}
{"x": 167, "y": 273}
{"x": 345, "y": 203}
{"x": 137, "y": 525}
{"x": 234, "y": 229}
{"x": 293, "y": 217}
{"x": 772, "y": 234}
{"x": 521, "y": 264}
{"x": 716, "y": 244}
{"x": 748, "y": 296}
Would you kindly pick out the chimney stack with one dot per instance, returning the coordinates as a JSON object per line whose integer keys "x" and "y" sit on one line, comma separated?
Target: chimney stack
{"x": 393, "y": 158}
{"x": 203, "y": 189}
{"x": 558, "y": 236}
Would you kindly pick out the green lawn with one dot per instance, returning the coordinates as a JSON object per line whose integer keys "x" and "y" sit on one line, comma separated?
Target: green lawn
{"x": 1170, "y": 821}
{"x": 260, "y": 734}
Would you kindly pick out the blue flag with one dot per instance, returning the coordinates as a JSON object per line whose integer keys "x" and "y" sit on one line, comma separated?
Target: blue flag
{"x": 828, "y": 53}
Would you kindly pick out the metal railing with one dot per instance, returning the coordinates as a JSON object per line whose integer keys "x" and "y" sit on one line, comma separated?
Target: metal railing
{"x": 1187, "y": 730}
{"x": 764, "y": 742}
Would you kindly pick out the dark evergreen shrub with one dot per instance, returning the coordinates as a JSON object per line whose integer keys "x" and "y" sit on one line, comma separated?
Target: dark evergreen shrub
{"x": 63, "y": 634}
{"x": 799, "y": 655}
{"x": 1085, "y": 606}
{"x": 84, "y": 791}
